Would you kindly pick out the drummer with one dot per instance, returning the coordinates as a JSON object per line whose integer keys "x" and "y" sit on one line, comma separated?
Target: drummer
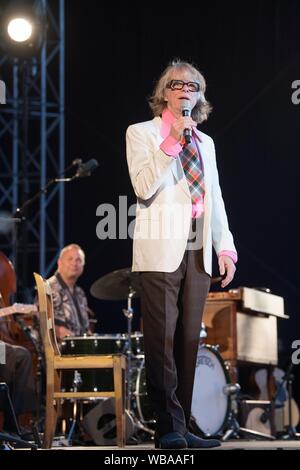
{"x": 71, "y": 311}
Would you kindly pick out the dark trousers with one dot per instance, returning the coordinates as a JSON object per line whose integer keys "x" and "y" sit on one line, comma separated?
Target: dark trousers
{"x": 18, "y": 375}
{"x": 172, "y": 308}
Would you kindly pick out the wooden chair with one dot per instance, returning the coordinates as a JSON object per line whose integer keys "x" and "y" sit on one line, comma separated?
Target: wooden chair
{"x": 56, "y": 363}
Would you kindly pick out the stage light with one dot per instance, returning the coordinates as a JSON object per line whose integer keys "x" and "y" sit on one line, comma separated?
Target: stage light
{"x": 19, "y": 29}
{"x": 22, "y": 30}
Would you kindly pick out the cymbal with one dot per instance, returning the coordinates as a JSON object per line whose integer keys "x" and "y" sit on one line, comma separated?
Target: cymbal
{"x": 116, "y": 285}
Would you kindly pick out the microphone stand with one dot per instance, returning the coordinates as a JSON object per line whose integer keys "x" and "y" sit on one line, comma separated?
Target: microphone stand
{"x": 18, "y": 218}
{"x": 20, "y": 214}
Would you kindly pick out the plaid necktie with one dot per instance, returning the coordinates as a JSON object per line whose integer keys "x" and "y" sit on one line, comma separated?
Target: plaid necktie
{"x": 192, "y": 168}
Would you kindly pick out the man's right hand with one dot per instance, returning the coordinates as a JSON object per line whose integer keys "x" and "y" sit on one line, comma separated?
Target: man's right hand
{"x": 184, "y": 122}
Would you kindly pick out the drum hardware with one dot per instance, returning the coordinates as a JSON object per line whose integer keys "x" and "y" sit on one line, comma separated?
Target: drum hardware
{"x": 231, "y": 389}
{"x": 203, "y": 332}
{"x": 123, "y": 284}
{"x": 120, "y": 285}
{"x": 257, "y": 415}
{"x": 77, "y": 381}
{"x": 143, "y": 408}
{"x": 138, "y": 422}
{"x": 234, "y": 430}
{"x": 129, "y": 315}
{"x": 73, "y": 423}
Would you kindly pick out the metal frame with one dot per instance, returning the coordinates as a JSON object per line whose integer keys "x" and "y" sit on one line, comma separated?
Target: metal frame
{"x": 43, "y": 146}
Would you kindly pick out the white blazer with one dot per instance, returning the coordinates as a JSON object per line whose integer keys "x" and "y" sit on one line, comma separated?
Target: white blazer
{"x": 164, "y": 207}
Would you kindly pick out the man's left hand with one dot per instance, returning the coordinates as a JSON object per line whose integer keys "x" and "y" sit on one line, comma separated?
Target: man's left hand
{"x": 226, "y": 266}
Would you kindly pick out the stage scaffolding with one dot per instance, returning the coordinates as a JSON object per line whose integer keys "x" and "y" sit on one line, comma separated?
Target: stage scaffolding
{"x": 32, "y": 146}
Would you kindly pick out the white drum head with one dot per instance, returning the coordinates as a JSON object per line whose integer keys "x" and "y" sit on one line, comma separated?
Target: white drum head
{"x": 209, "y": 403}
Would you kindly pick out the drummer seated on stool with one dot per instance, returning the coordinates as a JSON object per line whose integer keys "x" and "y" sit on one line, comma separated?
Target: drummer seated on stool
{"x": 71, "y": 311}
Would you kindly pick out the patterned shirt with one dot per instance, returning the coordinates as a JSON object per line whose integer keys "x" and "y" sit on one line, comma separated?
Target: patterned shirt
{"x": 70, "y": 308}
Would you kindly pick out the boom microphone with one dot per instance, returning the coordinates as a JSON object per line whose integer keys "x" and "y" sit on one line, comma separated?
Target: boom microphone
{"x": 85, "y": 169}
{"x": 77, "y": 162}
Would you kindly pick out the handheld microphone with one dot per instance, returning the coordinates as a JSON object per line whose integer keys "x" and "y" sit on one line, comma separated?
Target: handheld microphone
{"x": 86, "y": 169}
{"x": 186, "y": 111}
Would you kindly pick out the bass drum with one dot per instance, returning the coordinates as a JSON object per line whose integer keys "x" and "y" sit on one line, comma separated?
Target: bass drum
{"x": 210, "y": 405}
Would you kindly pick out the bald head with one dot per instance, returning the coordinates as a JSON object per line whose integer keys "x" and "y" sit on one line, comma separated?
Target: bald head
{"x": 71, "y": 263}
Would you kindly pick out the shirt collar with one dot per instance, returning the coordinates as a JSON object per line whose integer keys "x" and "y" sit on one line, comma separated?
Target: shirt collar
{"x": 62, "y": 282}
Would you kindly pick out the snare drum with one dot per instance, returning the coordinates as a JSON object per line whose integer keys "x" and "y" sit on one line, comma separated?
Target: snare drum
{"x": 90, "y": 345}
{"x": 141, "y": 403}
{"x": 210, "y": 405}
{"x": 86, "y": 380}
{"x": 137, "y": 343}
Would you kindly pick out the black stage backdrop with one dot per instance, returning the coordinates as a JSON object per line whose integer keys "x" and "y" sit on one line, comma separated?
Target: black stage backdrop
{"x": 249, "y": 53}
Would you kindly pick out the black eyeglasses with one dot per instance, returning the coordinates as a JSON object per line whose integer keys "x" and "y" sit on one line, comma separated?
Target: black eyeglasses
{"x": 179, "y": 84}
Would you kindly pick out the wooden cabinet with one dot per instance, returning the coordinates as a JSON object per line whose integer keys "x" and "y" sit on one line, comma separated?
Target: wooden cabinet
{"x": 242, "y": 336}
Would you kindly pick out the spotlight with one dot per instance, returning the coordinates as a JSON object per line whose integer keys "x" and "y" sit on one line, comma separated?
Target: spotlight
{"x": 19, "y": 29}
{"x": 22, "y": 30}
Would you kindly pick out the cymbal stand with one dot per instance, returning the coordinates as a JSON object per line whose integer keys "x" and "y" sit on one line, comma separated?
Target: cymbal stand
{"x": 137, "y": 424}
{"x": 77, "y": 381}
{"x": 129, "y": 315}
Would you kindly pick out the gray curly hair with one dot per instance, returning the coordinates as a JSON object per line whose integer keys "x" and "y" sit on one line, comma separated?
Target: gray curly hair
{"x": 72, "y": 246}
{"x": 157, "y": 101}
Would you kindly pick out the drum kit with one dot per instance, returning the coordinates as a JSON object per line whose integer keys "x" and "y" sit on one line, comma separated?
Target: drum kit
{"x": 214, "y": 396}
{"x": 118, "y": 285}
